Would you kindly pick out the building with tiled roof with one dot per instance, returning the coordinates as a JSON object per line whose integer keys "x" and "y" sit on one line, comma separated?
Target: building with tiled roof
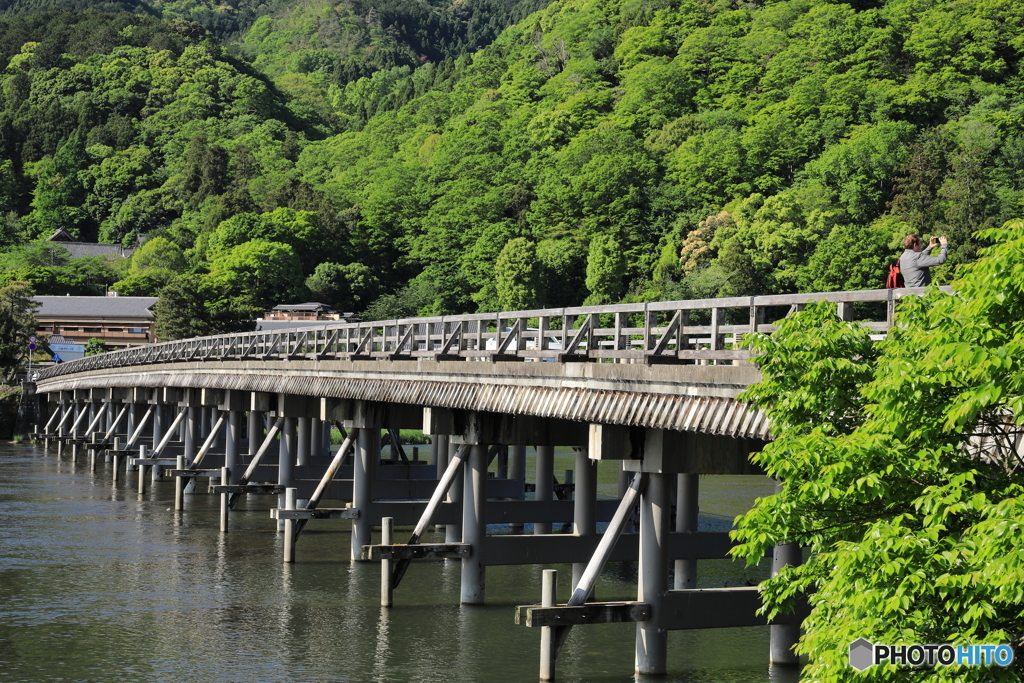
{"x": 78, "y": 249}
{"x": 119, "y": 321}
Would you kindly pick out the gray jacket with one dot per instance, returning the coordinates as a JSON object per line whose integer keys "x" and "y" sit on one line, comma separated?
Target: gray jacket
{"x": 915, "y": 265}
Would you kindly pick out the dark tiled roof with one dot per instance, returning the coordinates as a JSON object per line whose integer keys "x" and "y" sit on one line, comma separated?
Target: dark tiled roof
{"x": 80, "y": 249}
{"x": 95, "y": 306}
{"x": 310, "y": 306}
{"x": 60, "y": 339}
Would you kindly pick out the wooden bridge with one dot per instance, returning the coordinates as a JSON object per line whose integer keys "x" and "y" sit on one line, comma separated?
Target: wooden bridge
{"x": 649, "y": 387}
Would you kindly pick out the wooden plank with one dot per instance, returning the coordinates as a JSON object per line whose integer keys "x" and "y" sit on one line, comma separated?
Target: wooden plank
{"x": 711, "y": 608}
{"x": 317, "y": 513}
{"x": 422, "y": 551}
{"x": 589, "y": 613}
{"x": 248, "y": 488}
{"x": 163, "y": 462}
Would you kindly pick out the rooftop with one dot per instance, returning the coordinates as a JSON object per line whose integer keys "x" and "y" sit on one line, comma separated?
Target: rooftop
{"x": 309, "y": 306}
{"x": 79, "y": 249}
{"x": 95, "y": 306}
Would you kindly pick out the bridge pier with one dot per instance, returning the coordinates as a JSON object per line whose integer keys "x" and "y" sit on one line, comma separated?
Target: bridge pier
{"x": 365, "y": 465}
{"x": 651, "y": 635}
{"x": 286, "y": 463}
{"x": 687, "y": 509}
{"x": 474, "y": 525}
{"x": 517, "y": 472}
{"x": 194, "y": 423}
{"x": 232, "y": 437}
{"x": 453, "y": 532}
{"x": 544, "y": 483}
{"x": 784, "y": 637}
{"x": 584, "y": 504}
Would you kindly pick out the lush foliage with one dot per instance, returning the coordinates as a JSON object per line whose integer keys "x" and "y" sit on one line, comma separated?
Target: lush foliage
{"x": 646, "y": 150}
{"x": 903, "y": 471}
{"x": 17, "y": 323}
{"x": 95, "y": 346}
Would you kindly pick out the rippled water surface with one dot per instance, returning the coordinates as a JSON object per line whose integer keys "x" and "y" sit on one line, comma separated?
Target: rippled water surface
{"x": 99, "y": 584}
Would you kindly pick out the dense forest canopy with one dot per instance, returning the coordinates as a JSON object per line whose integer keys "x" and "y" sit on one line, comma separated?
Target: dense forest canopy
{"x": 595, "y": 151}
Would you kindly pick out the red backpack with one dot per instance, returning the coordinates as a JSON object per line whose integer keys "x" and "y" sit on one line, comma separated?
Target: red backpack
{"x": 895, "y": 278}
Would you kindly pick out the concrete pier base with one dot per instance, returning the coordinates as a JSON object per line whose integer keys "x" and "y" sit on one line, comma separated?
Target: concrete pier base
{"x": 584, "y": 505}
{"x": 453, "y": 532}
{"x": 286, "y": 463}
{"x": 687, "y": 496}
{"x": 544, "y": 482}
{"x": 651, "y": 636}
{"x": 474, "y": 525}
{"x": 367, "y": 453}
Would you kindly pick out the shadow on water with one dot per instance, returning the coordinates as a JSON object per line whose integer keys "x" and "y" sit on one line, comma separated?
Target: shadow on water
{"x": 98, "y": 583}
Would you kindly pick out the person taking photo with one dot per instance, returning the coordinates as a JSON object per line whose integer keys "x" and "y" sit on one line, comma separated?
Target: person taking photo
{"x": 916, "y": 264}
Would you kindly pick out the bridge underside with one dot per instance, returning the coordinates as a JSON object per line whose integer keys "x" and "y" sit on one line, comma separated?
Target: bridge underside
{"x": 696, "y": 399}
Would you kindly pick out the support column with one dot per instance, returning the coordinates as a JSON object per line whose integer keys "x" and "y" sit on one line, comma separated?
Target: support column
{"x": 584, "y": 505}
{"x": 182, "y": 429}
{"x": 316, "y": 436}
{"x": 439, "y": 447}
{"x": 453, "y": 532}
{"x": 132, "y": 417}
{"x": 545, "y": 482}
{"x": 193, "y": 428}
{"x": 158, "y": 424}
{"x": 474, "y": 525}
{"x": 655, "y": 513}
{"x": 191, "y": 432}
{"x": 365, "y": 465}
{"x": 517, "y": 472}
{"x": 302, "y": 452}
{"x": 502, "y": 469}
{"x": 687, "y": 492}
{"x": 286, "y": 463}
{"x": 439, "y": 450}
{"x": 231, "y": 439}
{"x": 255, "y": 429}
{"x": 326, "y": 426}
{"x": 159, "y": 415}
{"x": 784, "y": 636}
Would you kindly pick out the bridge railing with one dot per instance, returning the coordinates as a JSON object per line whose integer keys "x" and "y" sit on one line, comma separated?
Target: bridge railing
{"x": 702, "y": 330}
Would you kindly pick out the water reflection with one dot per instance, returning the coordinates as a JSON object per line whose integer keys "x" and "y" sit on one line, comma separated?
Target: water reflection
{"x": 100, "y": 583}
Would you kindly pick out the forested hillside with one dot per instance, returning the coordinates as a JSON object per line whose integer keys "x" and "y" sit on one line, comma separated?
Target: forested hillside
{"x": 598, "y": 150}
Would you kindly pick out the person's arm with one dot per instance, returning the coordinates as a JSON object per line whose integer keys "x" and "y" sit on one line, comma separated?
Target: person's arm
{"x": 926, "y": 261}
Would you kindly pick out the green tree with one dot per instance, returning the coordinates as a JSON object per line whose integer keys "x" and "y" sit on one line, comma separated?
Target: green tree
{"x": 17, "y": 323}
{"x": 902, "y": 469}
{"x": 95, "y": 346}
{"x": 347, "y": 287}
{"x": 517, "y": 276}
{"x": 606, "y": 268}
{"x": 158, "y": 253}
{"x": 182, "y": 310}
{"x": 60, "y": 193}
{"x": 256, "y": 276}
{"x": 563, "y": 272}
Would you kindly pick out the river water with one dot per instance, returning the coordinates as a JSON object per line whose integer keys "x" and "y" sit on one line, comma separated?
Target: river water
{"x": 100, "y": 584}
